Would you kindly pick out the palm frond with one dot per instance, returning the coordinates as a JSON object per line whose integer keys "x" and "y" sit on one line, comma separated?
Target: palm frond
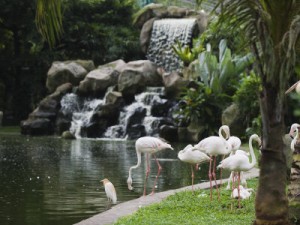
{"x": 49, "y": 20}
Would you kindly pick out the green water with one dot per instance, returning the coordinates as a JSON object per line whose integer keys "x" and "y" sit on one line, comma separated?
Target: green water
{"x": 48, "y": 180}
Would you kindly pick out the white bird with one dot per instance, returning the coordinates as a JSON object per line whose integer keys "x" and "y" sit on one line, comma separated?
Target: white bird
{"x": 232, "y": 174}
{"x": 295, "y": 86}
{"x": 110, "y": 190}
{"x": 149, "y": 146}
{"x": 240, "y": 162}
{"x": 245, "y": 193}
{"x": 214, "y": 146}
{"x": 294, "y": 134}
{"x": 193, "y": 158}
{"x": 235, "y": 143}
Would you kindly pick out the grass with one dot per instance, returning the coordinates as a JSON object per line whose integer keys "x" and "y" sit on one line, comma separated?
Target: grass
{"x": 10, "y": 129}
{"x": 188, "y": 208}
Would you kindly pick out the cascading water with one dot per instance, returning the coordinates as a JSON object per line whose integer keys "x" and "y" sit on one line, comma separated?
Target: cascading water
{"x": 143, "y": 101}
{"x": 164, "y": 34}
{"x": 81, "y": 110}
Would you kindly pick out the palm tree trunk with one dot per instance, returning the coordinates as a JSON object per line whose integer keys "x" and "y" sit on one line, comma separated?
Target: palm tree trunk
{"x": 271, "y": 204}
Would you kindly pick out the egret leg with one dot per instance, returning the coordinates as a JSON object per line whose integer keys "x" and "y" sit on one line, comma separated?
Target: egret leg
{"x": 147, "y": 173}
{"x": 158, "y": 173}
{"x": 210, "y": 177}
{"x": 214, "y": 175}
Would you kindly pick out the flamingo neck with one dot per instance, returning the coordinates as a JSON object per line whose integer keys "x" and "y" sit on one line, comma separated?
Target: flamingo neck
{"x": 138, "y": 153}
{"x": 253, "y": 158}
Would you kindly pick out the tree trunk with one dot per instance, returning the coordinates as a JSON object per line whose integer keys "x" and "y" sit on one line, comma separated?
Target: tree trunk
{"x": 271, "y": 204}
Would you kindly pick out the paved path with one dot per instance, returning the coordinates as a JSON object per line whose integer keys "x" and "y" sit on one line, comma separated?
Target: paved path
{"x": 126, "y": 208}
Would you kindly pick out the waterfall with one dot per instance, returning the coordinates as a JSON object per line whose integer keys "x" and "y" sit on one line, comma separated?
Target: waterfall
{"x": 81, "y": 110}
{"x": 143, "y": 101}
{"x": 164, "y": 34}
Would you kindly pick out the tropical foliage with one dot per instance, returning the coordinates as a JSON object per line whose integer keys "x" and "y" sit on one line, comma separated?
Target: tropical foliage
{"x": 218, "y": 72}
{"x": 98, "y": 30}
{"x": 273, "y": 41}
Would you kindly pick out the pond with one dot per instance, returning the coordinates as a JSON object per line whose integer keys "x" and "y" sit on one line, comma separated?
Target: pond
{"x": 49, "y": 180}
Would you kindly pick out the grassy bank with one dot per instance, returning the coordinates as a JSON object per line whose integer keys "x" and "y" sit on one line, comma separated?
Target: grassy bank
{"x": 188, "y": 208}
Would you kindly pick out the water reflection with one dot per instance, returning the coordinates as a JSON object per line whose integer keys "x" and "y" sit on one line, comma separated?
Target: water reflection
{"x": 48, "y": 180}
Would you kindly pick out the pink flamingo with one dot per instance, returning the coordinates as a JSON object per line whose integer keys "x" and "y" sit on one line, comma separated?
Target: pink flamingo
{"x": 240, "y": 162}
{"x": 214, "y": 146}
{"x": 147, "y": 145}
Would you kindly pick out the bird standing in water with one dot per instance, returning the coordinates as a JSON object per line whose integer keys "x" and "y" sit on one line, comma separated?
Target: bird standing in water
{"x": 110, "y": 190}
{"x": 149, "y": 146}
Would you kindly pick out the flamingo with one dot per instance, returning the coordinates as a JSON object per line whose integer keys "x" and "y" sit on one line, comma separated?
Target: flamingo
{"x": 240, "y": 162}
{"x": 110, "y": 190}
{"x": 147, "y": 145}
{"x": 214, "y": 146}
{"x": 232, "y": 174}
{"x": 245, "y": 193}
{"x": 295, "y": 86}
{"x": 235, "y": 143}
{"x": 294, "y": 134}
{"x": 192, "y": 157}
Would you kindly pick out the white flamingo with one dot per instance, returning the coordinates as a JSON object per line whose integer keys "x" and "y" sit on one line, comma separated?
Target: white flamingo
{"x": 232, "y": 174}
{"x": 149, "y": 146}
{"x": 245, "y": 193}
{"x": 193, "y": 158}
{"x": 294, "y": 134}
{"x": 214, "y": 146}
{"x": 240, "y": 162}
{"x": 235, "y": 144}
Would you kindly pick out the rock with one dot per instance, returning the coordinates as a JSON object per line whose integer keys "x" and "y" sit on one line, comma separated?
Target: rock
{"x": 42, "y": 120}
{"x": 148, "y": 12}
{"x": 173, "y": 83}
{"x": 145, "y": 35}
{"x": 97, "y": 81}
{"x": 231, "y": 116}
{"x": 64, "y": 72}
{"x": 67, "y": 135}
{"x": 136, "y": 75}
{"x": 37, "y": 126}
{"x": 170, "y": 133}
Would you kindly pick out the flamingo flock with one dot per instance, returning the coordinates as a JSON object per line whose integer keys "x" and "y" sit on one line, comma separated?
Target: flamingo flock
{"x": 207, "y": 150}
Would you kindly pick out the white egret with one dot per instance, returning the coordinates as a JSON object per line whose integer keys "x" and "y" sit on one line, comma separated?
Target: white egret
{"x": 110, "y": 190}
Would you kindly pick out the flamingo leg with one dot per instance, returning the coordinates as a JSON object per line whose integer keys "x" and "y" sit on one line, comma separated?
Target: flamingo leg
{"x": 221, "y": 172}
{"x": 158, "y": 173}
{"x": 192, "y": 177}
{"x": 147, "y": 173}
{"x": 239, "y": 178}
{"x": 210, "y": 177}
{"x": 214, "y": 176}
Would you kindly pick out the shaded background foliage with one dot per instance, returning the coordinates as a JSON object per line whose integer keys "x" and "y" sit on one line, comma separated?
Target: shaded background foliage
{"x": 98, "y": 30}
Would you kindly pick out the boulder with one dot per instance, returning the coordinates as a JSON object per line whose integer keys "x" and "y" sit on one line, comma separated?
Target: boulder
{"x": 168, "y": 132}
{"x": 148, "y": 12}
{"x": 231, "y": 116}
{"x": 173, "y": 83}
{"x": 97, "y": 81}
{"x": 136, "y": 75}
{"x": 145, "y": 35}
{"x": 42, "y": 120}
{"x": 64, "y": 72}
